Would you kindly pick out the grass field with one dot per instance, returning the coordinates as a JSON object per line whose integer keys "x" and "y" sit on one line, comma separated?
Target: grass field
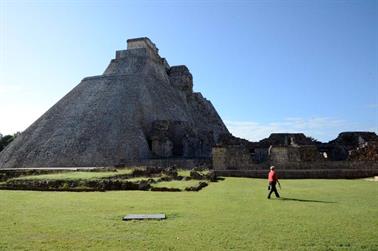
{"x": 233, "y": 214}
{"x": 177, "y": 184}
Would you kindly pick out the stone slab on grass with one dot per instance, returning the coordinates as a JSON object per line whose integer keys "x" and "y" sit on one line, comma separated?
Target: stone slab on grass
{"x": 144, "y": 217}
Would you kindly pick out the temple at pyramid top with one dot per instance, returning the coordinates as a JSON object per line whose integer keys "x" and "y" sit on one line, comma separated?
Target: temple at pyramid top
{"x": 138, "y": 43}
{"x": 142, "y": 46}
{"x": 142, "y": 42}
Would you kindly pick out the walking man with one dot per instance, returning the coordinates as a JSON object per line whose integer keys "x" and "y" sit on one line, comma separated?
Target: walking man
{"x": 273, "y": 180}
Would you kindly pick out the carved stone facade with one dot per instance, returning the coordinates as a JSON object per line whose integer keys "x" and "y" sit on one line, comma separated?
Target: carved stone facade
{"x": 181, "y": 138}
{"x": 181, "y": 79}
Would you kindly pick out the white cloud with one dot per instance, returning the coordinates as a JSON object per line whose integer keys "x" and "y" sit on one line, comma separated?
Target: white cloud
{"x": 321, "y": 128}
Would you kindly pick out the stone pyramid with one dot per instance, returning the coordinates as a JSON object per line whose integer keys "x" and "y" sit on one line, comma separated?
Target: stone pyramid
{"x": 139, "y": 108}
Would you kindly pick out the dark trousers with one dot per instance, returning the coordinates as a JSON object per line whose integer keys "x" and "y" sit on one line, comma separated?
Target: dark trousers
{"x": 273, "y": 189}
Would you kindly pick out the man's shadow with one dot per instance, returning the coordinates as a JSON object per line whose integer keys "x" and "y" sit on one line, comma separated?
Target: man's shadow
{"x": 302, "y": 200}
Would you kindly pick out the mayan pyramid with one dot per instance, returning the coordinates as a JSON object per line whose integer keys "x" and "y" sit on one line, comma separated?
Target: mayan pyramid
{"x": 139, "y": 108}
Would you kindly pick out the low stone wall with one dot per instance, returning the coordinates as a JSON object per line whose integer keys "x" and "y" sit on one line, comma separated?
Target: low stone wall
{"x": 75, "y": 185}
{"x": 165, "y": 163}
{"x": 13, "y": 173}
{"x": 147, "y": 178}
{"x": 303, "y": 165}
{"x": 303, "y": 174}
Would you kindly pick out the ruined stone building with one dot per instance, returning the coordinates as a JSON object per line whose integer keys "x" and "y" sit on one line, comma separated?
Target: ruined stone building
{"x": 139, "y": 108}
{"x": 350, "y": 155}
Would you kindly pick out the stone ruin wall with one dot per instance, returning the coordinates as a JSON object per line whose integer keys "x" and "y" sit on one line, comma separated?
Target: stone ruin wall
{"x": 283, "y": 154}
{"x": 231, "y": 158}
{"x": 293, "y": 160}
{"x": 235, "y": 161}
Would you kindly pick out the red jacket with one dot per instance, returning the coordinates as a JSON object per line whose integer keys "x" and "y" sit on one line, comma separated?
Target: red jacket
{"x": 272, "y": 176}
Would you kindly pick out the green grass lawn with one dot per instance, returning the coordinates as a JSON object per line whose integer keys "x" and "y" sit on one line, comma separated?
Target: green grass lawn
{"x": 233, "y": 214}
{"x": 181, "y": 184}
{"x": 187, "y": 172}
{"x": 183, "y": 172}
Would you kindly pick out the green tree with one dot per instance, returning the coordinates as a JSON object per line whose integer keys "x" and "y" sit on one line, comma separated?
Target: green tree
{"x": 6, "y": 140}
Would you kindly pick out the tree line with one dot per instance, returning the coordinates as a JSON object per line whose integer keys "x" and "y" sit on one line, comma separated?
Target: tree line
{"x": 7, "y": 139}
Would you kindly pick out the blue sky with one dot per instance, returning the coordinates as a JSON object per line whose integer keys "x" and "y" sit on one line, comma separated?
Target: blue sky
{"x": 267, "y": 66}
